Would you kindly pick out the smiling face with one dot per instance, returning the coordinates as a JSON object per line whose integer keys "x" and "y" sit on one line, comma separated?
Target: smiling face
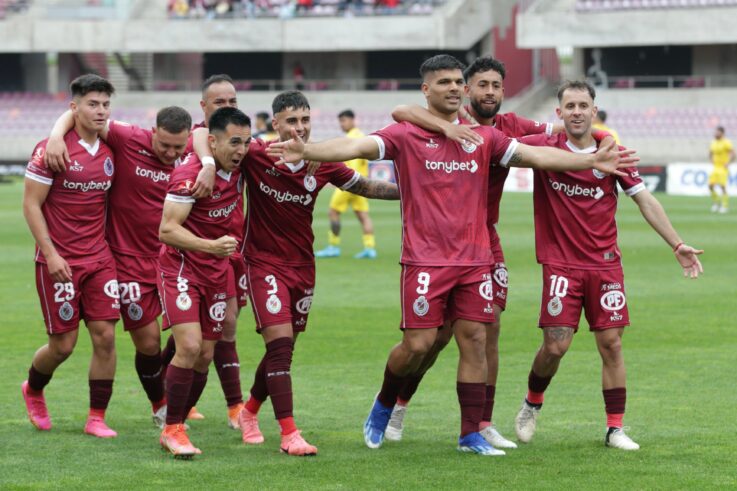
{"x": 485, "y": 91}
{"x": 217, "y": 95}
{"x": 167, "y": 146}
{"x": 91, "y": 110}
{"x": 577, "y": 110}
{"x": 443, "y": 90}
{"x": 290, "y": 117}
{"x": 230, "y": 146}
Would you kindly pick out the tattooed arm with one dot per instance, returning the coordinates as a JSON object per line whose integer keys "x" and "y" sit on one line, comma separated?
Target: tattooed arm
{"x": 374, "y": 189}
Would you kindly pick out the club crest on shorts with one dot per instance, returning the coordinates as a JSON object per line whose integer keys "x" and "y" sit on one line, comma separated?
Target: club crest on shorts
{"x": 468, "y": 147}
{"x": 555, "y": 306}
{"x": 135, "y": 312}
{"x": 613, "y": 300}
{"x": 243, "y": 283}
{"x": 501, "y": 276}
{"x": 217, "y": 311}
{"x": 486, "y": 290}
{"x": 273, "y": 304}
{"x": 183, "y": 301}
{"x": 304, "y": 304}
{"x": 310, "y": 183}
{"x": 421, "y": 306}
{"x": 66, "y": 311}
{"x": 108, "y": 167}
{"x": 111, "y": 289}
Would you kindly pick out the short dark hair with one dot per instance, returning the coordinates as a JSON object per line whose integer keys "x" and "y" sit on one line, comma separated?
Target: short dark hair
{"x": 291, "y": 98}
{"x": 576, "y": 85}
{"x": 719, "y": 128}
{"x": 440, "y": 62}
{"x": 263, "y": 115}
{"x": 484, "y": 64}
{"x": 173, "y": 119}
{"x": 215, "y": 79}
{"x": 347, "y": 113}
{"x": 84, "y": 84}
{"x": 601, "y": 114}
{"x": 221, "y": 118}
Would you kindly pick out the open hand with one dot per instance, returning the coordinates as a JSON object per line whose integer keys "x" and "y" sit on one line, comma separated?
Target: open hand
{"x": 688, "y": 258}
{"x": 289, "y": 151}
{"x": 56, "y": 155}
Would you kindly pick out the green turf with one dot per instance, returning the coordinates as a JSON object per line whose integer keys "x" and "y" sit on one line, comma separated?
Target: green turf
{"x": 680, "y": 354}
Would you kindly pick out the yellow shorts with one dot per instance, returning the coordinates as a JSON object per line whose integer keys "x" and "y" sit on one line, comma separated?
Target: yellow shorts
{"x": 341, "y": 199}
{"x": 718, "y": 176}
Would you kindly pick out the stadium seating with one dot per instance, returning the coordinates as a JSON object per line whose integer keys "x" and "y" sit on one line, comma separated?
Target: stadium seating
{"x": 609, "y": 5}
{"x": 8, "y": 7}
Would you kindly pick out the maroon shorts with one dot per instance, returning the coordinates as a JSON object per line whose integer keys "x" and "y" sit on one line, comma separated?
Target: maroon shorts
{"x": 500, "y": 275}
{"x": 185, "y": 302}
{"x": 431, "y": 294}
{"x": 599, "y": 292}
{"x": 139, "y": 297}
{"x": 280, "y": 294}
{"x": 92, "y": 295}
{"x": 240, "y": 282}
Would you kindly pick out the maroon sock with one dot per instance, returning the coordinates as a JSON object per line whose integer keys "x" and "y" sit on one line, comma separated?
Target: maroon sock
{"x": 471, "y": 398}
{"x": 37, "y": 380}
{"x": 614, "y": 402}
{"x": 259, "y": 391}
{"x": 167, "y": 354}
{"x": 178, "y": 385}
{"x": 410, "y": 387}
{"x": 199, "y": 380}
{"x": 390, "y": 388}
{"x": 536, "y": 386}
{"x": 229, "y": 371}
{"x": 148, "y": 368}
{"x": 278, "y": 378}
{"x": 489, "y": 403}
{"x": 100, "y": 393}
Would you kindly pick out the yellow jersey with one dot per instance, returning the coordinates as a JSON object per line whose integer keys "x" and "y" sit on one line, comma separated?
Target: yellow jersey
{"x": 721, "y": 152}
{"x": 612, "y": 132}
{"x": 359, "y": 165}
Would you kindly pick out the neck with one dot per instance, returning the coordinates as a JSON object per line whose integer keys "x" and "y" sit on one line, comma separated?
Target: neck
{"x": 481, "y": 120}
{"x": 87, "y": 135}
{"x": 447, "y": 117}
{"x": 584, "y": 141}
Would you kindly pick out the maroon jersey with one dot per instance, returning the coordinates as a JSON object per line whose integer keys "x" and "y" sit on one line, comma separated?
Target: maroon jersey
{"x": 281, "y": 200}
{"x": 137, "y": 198}
{"x": 75, "y": 206}
{"x": 443, "y": 192}
{"x": 210, "y": 218}
{"x": 514, "y": 127}
{"x": 574, "y": 211}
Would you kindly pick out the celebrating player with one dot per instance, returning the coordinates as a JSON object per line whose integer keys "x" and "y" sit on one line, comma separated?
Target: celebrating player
{"x": 75, "y": 271}
{"x": 277, "y": 248}
{"x": 195, "y": 275}
{"x": 445, "y": 254}
{"x": 721, "y": 155}
{"x": 582, "y": 263}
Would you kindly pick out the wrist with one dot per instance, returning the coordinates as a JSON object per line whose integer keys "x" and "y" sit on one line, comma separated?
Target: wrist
{"x": 207, "y": 161}
{"x": 678, "y": 246}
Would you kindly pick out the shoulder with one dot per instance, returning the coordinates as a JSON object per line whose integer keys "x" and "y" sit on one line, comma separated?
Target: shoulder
{"x": 543, "y": 140}
{"x": 188, "y": 166}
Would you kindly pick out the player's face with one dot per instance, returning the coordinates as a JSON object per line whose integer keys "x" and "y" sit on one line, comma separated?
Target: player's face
{"x": 299, "y": 119}
{"x": 230, "y": 146}
{"x": 718, "y": 134}
{"x": 485, "y": 90}
{"x": 577, "y": 110}
{"x": 443, "y": 90}
{"x": 167, "y": 146}
{"x": 346, "y": 123}
{"x": 218, "y": 95}
{"x": 92, "y": 110}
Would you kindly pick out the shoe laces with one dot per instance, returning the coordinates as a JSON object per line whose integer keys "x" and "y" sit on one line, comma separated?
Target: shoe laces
{"x": 179, "y": 434}
{"x": 39, "y": 406}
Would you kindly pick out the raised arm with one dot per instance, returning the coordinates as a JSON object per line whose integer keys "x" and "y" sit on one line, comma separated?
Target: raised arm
{"x": 375, "y": 189}
{"x": 423, "y": 118}
{"x": 57, "y": 155}
{"x": 205, "y": 182}
{"x": 171, "y": 232}
{"x": 607, "y": 159}
{"x": 655, "y": 215}
{"x": 334, "y": 150}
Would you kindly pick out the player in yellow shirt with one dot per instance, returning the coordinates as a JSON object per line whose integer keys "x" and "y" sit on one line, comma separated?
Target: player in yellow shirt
{"x": 721, "y": 155}
{"x": 599, "y": 124}
{"x": 341, "y": 199}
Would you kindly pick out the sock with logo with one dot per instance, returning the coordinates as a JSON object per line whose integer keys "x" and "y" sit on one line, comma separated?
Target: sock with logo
{"x": 471, "y": 398}
{"x": 278, "y": 377}
{"x": 148, "y": 368}
{"x": 614, "y": 403}
{"x": 229, "y": 371}
{"x": 178, "y": 385}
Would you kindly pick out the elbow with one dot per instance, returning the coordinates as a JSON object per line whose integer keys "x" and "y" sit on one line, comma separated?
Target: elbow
{"x": 399, "y": 113}
{"x": 164, "y": 234}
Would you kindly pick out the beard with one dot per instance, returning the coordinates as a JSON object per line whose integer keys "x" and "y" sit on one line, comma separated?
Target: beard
{"x": 484, "y": 113}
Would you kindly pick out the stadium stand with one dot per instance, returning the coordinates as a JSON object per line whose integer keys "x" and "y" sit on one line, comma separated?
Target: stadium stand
{"x": 210, "y": 9}
{"x": 609, "y": 5}
{"x": 9, "y": 7}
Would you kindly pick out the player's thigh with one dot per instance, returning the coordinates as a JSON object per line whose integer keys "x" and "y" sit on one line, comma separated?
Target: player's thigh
{"x": 339, "y": 201}
{"x": 100, "y": 297}
{"x": 180, "y": 300}
{"x": 424, "y": 292}
{"x": 562, "y": 297}
{"x": 270, "y": 295}
{"x": 301, "y": 282}
{"x": 606, "y": 301}
{"x": 360, "y": 204}
{"x": 213, "y": 309}
{"x": 60, "y": 301}
{"x": 472, "y": 296}
{"x": 238, "y": 267}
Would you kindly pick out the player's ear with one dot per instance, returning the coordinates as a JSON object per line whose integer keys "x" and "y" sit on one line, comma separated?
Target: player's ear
{"x": 558, "y": 112}
{"x": 425, "y": 88}
{"x": 594, "y": 111}
{"x": 211, "y": 139}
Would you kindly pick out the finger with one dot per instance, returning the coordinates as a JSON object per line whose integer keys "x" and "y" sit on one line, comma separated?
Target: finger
{"x": 620, "y": 173}
{"x": 698, "y": 264}
{"x": 281, "y": 161}
{"x": 474, "y": 138}
{"x": 68, "y": 270}
{"x": 697, "y": 251}
{"x": 66, "y": 155}
{"x": 626, "y": 152}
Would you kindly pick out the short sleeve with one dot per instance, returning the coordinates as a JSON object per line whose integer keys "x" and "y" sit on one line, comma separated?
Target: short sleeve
{"x": 632, "y": 183}
{"x": 530, "y": 127}
{"x": 390, "y": 140}
{"x": 36, "y": 170}
{"x": 118, "y": 133}
{"x": 342, "y": 176}
{"x": 180, "y": 187}
{"x": 502, "y": 147}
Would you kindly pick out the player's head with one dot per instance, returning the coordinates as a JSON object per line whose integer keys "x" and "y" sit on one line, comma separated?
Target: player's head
{"x": 347, "y": 120}
{"x": 169, "y": 139}
{"x": 230, "y": 135}
{"x": 576, "y": 107}
{"x": 600, "y": 117}
{"x": 262, "y": 121}
{"x": 719, "y": 132}
{"x": 291, "y": 110}
{"x": 443, "y": 83}
{"x": 91, "y": 101}
{"x": 485, "y": 86}
{"x": 217, "y": 91}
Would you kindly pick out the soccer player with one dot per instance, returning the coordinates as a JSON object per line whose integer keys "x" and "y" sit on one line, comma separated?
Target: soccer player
{"x": 340, "y": 201}
{"x": 599, "y": 123}
{"x": 277, "y": 249}
{"x": 75, "y": 271}
{"x": 576, "y": 244}
{"x": 194, "y": 268}
{"x": 145, "y": 160}
{"x": 445, "y": 255}
{"x": 721, "y": 154}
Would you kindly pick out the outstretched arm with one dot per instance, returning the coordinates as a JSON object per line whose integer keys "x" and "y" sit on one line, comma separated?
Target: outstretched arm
{"x": 425, "y": 119}
{"x": 655, "y": 215}
{"x": 333, "y": 150}
{"x": 607, "y": 159}
{"x": 171, "y": 232}
{"x": 374, "y": 189}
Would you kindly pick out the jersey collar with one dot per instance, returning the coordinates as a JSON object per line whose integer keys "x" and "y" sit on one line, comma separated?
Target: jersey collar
{"x": 91, "y": 149}
{"x": 224, "y": 175}
{"x": 295, "y": 167}
{"x": 573, "y": 148}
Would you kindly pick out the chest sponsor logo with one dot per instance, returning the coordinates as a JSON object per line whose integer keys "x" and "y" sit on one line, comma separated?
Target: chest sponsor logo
{"x": 108, "y": 166}
{"x": 155, "y": 176}
{"x": 452, "y": 166}
{"x": 285, "y": 196}
{"x": 223, "y": 212}
{"x": 613, "y": 300}
{"x": 310, "y": 183}
{"x": 76, "y": 167}
{"x": 573, "y": 190}
{"x": 87, "y": 186}
{"x": 431, "y": 144}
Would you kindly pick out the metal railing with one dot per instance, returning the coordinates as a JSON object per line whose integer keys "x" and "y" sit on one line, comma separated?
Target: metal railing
{"x": 668, "y": 82}
{"x": 273, "y": 85}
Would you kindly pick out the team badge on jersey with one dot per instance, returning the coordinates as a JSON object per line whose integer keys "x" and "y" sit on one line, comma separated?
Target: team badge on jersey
{"x": 108, "y": 167}
{"x": 486, "y": 290}
{"x": 468, "y": 147}
{"x": 135, "y": 312}
{"x": 599, "y": 174}
{"x": 421, "y": 306}
{"x": 310, "y": 183}
{"x": 66, "y": 311}
{"x": 217, "y": 312}
{"x": 183, "y": 301}
{"x": 273, "y": 304}
{"x": 555, "y": 306}
{"x": 303, "y": 306}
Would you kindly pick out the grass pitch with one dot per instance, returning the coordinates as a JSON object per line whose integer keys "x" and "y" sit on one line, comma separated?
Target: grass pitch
{"x": 680, "y": 353}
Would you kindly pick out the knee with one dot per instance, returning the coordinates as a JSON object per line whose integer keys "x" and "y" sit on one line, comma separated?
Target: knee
{"x": 229, "y": 326}
{"x": 62, "y": 351}
{"x": 104, "y": 343}
{"x": 189, "y": 349}
{"x": 419, "y": 346}
{"x": 555, "y": 349}
{"x": 611, "y": 349}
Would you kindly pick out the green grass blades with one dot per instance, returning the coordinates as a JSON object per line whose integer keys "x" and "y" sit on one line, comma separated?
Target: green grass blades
{"x": 680, "y": 353}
